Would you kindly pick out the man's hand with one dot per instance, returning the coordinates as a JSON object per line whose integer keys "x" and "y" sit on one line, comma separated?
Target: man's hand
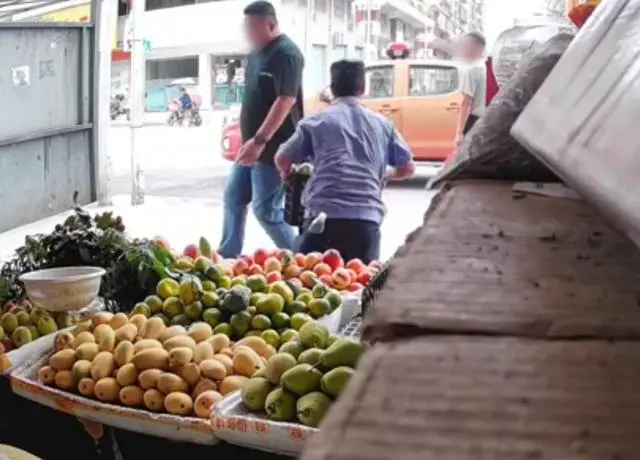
{"x": 249, "y": 153}
{"x": 283, "y": 165}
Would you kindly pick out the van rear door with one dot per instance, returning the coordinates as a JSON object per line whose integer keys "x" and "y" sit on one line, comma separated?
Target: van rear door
{"x": 430, "y": 110}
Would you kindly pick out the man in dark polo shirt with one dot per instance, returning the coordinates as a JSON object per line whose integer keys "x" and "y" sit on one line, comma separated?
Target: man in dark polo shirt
{"x": 271, "y": 108}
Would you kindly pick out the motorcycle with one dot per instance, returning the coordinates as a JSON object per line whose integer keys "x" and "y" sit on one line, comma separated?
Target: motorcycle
{"x": 178, "y": 116}
{"x": 118, "y": 107}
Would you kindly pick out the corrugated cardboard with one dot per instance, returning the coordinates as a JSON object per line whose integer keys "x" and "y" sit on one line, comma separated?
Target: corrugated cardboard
{"x": 583, "y": 121}
{"x": 473, "y": 398}
{"x": 491, "y": 260}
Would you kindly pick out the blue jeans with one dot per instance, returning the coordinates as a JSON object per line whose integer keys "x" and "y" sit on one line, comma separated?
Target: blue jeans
{"x": 261, "y": 186}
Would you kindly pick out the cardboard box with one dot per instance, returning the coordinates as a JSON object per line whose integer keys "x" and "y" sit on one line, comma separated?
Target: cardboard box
{"x": 481, "y": 398}
{"x": 583, "y": 121}
{"x": 490, "y": 260}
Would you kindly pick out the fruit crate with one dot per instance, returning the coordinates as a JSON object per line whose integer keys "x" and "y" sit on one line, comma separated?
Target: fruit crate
{"x": 370, "y": 292}
{"x": 233, "y": 423}
{"x": 353, "y": 328}
{"x": 293, "y": 209}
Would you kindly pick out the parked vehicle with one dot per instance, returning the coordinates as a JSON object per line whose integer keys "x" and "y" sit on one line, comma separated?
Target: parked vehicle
{"x": 421, "y": 97}
{"x": 119, "y": 107}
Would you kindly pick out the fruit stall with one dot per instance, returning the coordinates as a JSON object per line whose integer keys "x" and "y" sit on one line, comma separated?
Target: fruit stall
{"x": 133, "y": 345}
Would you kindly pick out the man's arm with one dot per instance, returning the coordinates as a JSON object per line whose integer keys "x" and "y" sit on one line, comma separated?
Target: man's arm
{"x": 400, "y": 158}
{"x": 297, "y": 149}
{"x": 287, "y": 79}
{"x": 468, "y": 88}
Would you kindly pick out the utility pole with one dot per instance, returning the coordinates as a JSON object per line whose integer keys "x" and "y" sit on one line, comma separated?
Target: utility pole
{"x": 136, "y": 99}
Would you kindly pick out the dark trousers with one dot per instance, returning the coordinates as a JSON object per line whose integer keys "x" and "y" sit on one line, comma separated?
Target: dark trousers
{"x": 353, "y": 238}
{"x": 469, "y": 124}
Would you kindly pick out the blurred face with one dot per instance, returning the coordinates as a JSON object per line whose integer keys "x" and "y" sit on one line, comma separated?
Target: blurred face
{"x": 258, "y": 30}
{"x": 469, "y": 49}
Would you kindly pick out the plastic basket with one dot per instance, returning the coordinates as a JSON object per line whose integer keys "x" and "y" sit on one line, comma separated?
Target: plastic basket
{"x": 376, "y": 284}
{"x": 293, "y": 209}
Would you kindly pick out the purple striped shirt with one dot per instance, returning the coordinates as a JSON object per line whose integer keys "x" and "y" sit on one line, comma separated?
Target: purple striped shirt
{"x": 350, "y": 147}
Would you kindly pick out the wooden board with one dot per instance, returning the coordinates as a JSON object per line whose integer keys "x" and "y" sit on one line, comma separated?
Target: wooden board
{"x": 488, "y": 260}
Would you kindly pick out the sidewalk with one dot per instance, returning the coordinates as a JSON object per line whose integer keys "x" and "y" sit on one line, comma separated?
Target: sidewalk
{"x": 209, "y": 118}
{"x": 184, "y": 220}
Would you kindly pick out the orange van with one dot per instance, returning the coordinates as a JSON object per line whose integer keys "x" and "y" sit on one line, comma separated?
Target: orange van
{"x": 421, "y": 97}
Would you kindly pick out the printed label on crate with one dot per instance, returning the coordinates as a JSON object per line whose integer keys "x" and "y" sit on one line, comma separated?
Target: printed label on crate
{"x": 299, "y": 433}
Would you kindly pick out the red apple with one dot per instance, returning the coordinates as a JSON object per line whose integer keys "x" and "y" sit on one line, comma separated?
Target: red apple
{"x": 8, "y": 344}
{"x": 322, "y": 269}
{"x": 272, "y": 277}
{"x": 9, "y": 307}
{"x": 364, "y": 278}
{"x": 191, "y": 251}
{"x": 326, "y": 280}
{"x": 341, "y": 278}
{"x": 255, "y": 269}
{"x": 247, "y": 259}
{"x": 333, "y": 259}
{"x": 355, "y": 287}
{"x": 240, "y": 267}
{"x": 291, "y": 271}
{"x": 308, "y": 278}
{"x": 260, "y": 256}
{"x": 312, "y": 259}
{"x": 272, "y": 265}
{"x": 285, "y": 256}
{"x": 356, "y": 265}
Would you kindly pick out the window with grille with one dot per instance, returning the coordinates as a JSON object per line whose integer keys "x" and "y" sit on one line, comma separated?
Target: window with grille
{"x": 432, "y": 80}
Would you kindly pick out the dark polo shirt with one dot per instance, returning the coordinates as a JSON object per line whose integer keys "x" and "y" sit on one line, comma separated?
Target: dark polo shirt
{"x": 274, "y": 71}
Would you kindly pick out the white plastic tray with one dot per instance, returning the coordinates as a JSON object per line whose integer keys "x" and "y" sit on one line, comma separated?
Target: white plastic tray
{"x": 183, "y": 429}
{"x": 232, "y": 422}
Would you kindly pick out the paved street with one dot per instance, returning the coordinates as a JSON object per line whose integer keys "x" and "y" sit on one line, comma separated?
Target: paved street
{"x": 184, "y": 183}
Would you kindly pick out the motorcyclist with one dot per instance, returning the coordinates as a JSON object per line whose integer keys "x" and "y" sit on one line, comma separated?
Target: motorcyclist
{"x": 186, "y": 103}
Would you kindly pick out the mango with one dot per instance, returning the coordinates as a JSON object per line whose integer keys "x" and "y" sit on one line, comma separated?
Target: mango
{"x": 153, "y": 400}
{"x": 118, "y": 320}
{"x": 46, "y": 375}
{"x": 149, "y": 378}
{"x": 127, "y": 332}
{"x": 179, "y": 341}
{"x": 102, "y": 366}
{"x": 202, "y": 351}
{"x": 213, "y": 369}
{"x": 63, "y": 360}
{"x": 257, "y": 344}
{"x": 145, "y": 344}
{"x": 123, "y": 353}
{"x": 105, "y": 337}
{"x": 177, "y": 403}
{"x": 168, "y": 383}
{"x": 190, "y": 373}
{"x": 246, "y": 362}
{"x": 87, "y": 351}
{"x": 153, "y": 328}
{"x": 65, "y": 381}
{"x": 219, "y": 342}
{"x": 107, "y": 389}
{"x": 226, "y": 362}
{"x": 131, "y": 396}
{"x": 127, "y": 375}
{"x": 205, "y": 402}
{"x": 83, "y": 337}
{"x": 203, "y": 385}
{"x": 152, "y": 358}
{"x": 172, "y": 331}
{"x": 86, "y": 387}
{"x": 81, "y": 369}
{"x": 231, "y": 383}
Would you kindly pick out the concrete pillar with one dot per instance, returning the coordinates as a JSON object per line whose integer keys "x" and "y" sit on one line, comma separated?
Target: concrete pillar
{"x": 205, "y": 80}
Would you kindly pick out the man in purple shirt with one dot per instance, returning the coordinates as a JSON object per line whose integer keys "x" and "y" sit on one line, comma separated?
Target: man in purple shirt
{"x": 351, "y": 148}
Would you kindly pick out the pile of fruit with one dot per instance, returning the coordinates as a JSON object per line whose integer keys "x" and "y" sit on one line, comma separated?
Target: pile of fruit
{"x": 305, "y": 270}
{"x": 22, "y": 323}
{"x": 140, "y": 362}
{"x": 300, "y": 382}
{"x": 268, "y": 295}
